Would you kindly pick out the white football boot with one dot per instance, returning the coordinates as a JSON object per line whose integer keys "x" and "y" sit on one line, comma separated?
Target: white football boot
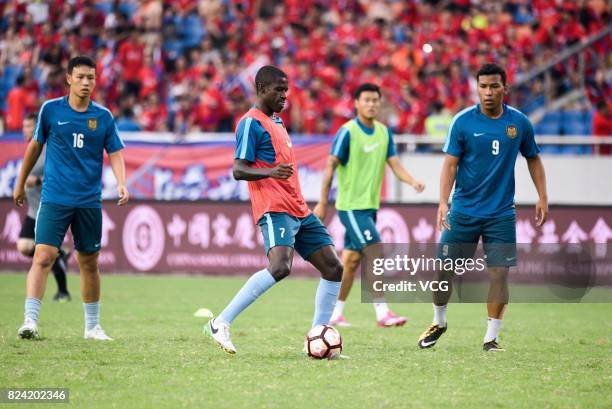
{"x": 219, "y": 332}
{"x": 97, "y": 333}
{"x": 29, "y": 329}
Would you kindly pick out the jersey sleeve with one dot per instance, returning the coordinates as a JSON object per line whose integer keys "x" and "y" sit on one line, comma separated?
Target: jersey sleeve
{"x": 529, "y": 147}
{"x": 340, "y": 146}
{"x": 42, "y": 125}
{"x": 454, "y": 141}
{"x": 249, "y": 134}
{"x": 112, "y": 140}
{"x": 391, "y": 149}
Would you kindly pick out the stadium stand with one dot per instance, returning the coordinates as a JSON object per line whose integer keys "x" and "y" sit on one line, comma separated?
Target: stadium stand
{"x": 186, "y": 65}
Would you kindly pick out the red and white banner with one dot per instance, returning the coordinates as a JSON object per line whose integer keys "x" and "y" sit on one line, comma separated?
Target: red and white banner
{"x": 182, "y": 171}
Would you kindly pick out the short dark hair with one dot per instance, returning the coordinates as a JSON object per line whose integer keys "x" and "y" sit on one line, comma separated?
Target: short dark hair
{"x": 31, "y": 116}
{"x": 267, "y": 75}
{"x": 366, "y": 87}
{"x": 491, "y": 69}
{"x": 80, "y": 60}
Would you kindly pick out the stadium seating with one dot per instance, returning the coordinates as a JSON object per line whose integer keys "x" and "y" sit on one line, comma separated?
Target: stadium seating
{"x": 550, "y": 125}
{"x": 565, "y": 123}
{"x": 325, "y": 49}
{"x": 575, "y": 123}
{"x": 9, "y": 77}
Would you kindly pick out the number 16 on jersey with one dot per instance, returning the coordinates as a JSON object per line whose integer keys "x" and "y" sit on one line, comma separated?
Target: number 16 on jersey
{"x": 77, "y": 140}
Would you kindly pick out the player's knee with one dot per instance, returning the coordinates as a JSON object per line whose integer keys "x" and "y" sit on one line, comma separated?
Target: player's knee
{"x": 26, "y": 247}
{"x": 333, "y": 271}
{"x": 350, "y": 267}
{"x": 279, "y": 270}
{"x": 88, "y": 262}
{"x": 351, "y": 260}
{"x": 498, "y": 274}
{"x": 44, "y": 258}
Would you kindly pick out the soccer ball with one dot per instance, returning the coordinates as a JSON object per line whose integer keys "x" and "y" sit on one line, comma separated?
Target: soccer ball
{"x": 323, "y": 342}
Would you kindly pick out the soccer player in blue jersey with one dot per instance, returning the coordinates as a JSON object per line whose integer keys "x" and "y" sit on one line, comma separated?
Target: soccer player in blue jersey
{"x": 76, "y": 131}
{"x": 481, "y": 149}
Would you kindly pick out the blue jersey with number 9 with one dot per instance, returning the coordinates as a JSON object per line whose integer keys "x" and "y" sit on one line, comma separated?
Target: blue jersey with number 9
{"x": 487, "y": 150}
{"x": 76, "y": 142}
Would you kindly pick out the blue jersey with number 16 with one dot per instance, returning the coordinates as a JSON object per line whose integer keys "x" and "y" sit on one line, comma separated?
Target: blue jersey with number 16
{"x": 76, "y": 142}
{"x": 487, "y": 150}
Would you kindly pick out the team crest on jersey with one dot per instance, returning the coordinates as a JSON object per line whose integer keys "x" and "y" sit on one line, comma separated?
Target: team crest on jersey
{"x": 92, "y": 124}
{"x": 511, "y": 131}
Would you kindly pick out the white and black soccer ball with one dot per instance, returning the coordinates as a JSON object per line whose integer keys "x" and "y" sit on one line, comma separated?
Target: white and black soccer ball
{"x": 323, "y": 342}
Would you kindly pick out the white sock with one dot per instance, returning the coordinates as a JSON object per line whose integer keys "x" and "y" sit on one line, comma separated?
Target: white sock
{"x": 493, "y": 327}
{"x": 440, "y": 315}
{"x": 92, "y": 314}
{"x": 338, "y": 309}
{"x": 382, "y": 309}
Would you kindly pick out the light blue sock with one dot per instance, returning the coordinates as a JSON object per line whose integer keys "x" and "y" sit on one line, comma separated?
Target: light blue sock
{"x": 255, "y": 286}
{"x": 325, "y": 301}
{"x": 92, "y": 314}
{"x": 32, "y": 308}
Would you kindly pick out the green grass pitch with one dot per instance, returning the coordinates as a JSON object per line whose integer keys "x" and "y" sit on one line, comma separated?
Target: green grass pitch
{"x": 558, "y": 356}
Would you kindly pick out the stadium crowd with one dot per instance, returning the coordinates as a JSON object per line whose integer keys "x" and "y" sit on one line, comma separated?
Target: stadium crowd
{"x": 187, "y": 65}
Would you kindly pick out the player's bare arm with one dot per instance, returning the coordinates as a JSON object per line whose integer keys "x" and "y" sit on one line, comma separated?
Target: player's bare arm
{"x": 447, "y": 180}
{"x": 536, "y": 170}
{"x": 118, "y": 165}
{"x": 242, "y": 171}
{"x": 402, "y": 174}
{"x": 31, "y": 156}
{"x": 320, "y": 209}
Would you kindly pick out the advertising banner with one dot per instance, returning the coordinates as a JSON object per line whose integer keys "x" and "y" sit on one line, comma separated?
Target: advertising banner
{"x": 207, "y": 237}
{"x": 182, "y": 171}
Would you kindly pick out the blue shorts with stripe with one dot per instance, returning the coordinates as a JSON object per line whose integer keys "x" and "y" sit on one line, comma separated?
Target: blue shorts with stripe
{"x": 306, "y": 235}
{"x": 53, "y": 220}
{"x": 360, "y": 228}
{"x": 498, "y": 238}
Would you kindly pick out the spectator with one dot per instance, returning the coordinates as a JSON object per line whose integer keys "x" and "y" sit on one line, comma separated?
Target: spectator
{"x": 91, "y": 23}
{"x": 30, "y": 84}
{"x": 154, "y": 115}
{"x": 126, "y": 123}
{"x": 211, "y": 111}
{"x": 438, "y": 122}
{"x": 149, "y": 77}
{"x": 183, "y": 116}
{"x": 602, "y": 125}
{"x": 19, "y": 102}
{"x": 56, "y": 84}
{"x": 419, "y": 52}
{"x": 130, "y": 58}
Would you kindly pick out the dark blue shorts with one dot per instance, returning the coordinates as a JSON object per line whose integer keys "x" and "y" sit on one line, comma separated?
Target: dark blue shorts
{"x": 360, "y": 228}
{"x": 53, "y": 220}
{"x": 498, "y": 237}
{"x": 306, "y": 235}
